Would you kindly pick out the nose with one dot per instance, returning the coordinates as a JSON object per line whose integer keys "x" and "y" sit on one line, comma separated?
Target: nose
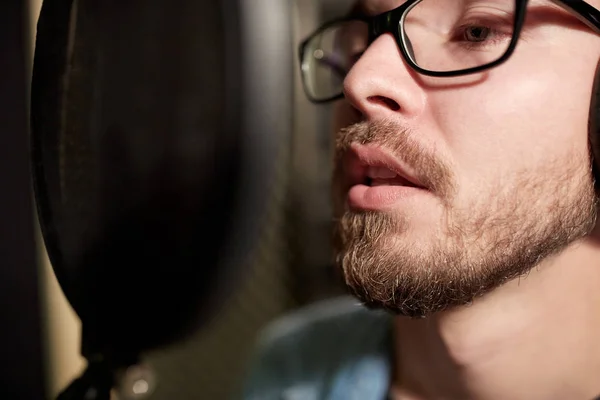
{"x": 382, "y": 86}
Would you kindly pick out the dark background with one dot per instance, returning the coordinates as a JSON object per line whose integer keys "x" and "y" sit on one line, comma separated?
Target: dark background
{"x": 21, "y": 356}
{"x": 289, "y": 269}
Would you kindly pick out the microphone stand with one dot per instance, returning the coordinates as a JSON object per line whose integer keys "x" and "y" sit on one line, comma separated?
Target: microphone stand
{"x": 107, "y": 370}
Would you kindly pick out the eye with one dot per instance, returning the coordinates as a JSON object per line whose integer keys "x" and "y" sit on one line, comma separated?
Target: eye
{"x": 489, "y": 34}
{"x": 477, "y": 33}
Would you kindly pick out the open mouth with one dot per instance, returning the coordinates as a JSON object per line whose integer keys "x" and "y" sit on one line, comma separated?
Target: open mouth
{"x": 378, "y": 180}
{"x": 382, "y": 176}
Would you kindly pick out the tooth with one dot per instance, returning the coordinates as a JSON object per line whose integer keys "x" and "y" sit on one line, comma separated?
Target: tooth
{"x": 386, "y": 173}
{"x": 372, "y": 172}
{"x": 380, "y": 172}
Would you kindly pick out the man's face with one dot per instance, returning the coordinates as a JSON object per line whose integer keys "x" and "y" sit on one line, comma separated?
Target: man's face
{"x": 445, "y": 188}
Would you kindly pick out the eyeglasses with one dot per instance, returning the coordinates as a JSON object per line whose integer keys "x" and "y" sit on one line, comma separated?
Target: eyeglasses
{"x": 441, "y": 38}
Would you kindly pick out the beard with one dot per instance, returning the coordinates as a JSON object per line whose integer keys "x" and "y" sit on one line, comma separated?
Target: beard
{"x": 477, "y": 247}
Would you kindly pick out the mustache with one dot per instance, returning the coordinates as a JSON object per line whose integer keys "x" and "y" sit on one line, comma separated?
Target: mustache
{"x": 430, "y": 169}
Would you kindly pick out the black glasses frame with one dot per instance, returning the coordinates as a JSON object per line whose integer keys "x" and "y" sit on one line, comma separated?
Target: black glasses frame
{"x": 390, "y": 21}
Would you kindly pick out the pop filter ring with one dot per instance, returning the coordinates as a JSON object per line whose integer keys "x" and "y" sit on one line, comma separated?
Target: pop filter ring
{"x": 259, "y": 98}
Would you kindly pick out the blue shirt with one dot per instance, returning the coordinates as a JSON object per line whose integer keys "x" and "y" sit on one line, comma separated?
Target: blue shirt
{"x": 334, "y": 350}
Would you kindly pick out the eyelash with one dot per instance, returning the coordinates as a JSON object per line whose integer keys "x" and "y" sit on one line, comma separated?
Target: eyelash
{"x": 498, "y": 35}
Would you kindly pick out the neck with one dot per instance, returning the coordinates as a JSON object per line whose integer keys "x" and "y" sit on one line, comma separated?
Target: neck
{"x": 537, "y": 337}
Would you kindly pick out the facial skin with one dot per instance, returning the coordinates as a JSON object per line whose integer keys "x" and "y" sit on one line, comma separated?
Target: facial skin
{"x": 502, "y": 157}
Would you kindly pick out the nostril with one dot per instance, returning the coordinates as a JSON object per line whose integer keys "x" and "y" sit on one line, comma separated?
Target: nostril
{"x": 385, "y": 101}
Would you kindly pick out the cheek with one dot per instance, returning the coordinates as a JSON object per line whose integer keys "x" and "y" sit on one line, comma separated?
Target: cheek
{"x": 521, "y": 117}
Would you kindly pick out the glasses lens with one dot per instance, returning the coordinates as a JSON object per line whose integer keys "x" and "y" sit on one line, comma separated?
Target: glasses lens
{"x": 454, "y": 35}
{"x": 329, "y": 55}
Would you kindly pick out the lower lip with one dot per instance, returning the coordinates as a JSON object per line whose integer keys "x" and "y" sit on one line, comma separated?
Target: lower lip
{"x": 376, "y": 198}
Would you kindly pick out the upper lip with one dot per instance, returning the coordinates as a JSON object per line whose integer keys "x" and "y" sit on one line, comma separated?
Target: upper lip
{"x": 360, "y": 157}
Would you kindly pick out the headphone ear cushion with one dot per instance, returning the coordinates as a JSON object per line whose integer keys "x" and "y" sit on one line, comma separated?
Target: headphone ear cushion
{"x": 594, "y": 129}
{"x": 595, "y": 119}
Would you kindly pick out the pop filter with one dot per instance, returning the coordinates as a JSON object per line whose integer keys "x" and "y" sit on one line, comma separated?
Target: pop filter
{"x": 155, "y": 126}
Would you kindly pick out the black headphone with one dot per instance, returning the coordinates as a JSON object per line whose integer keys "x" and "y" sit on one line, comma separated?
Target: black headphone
{"x": 594, "y": 129}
